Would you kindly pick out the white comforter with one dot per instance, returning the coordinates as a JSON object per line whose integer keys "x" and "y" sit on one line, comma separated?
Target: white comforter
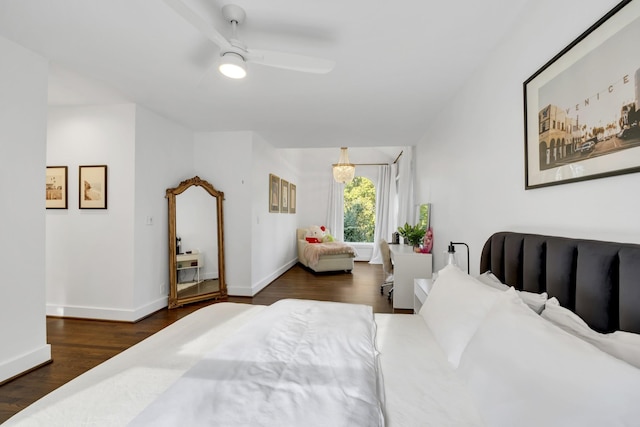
{"x": 297, "y": 363}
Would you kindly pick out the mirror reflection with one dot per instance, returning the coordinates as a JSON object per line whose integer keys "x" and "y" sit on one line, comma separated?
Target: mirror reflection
{"x": 424, "y": 215}
{"x": 196, "y": 243}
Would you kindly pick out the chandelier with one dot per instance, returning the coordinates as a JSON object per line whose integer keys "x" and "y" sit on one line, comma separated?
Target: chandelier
{"x": 343, "y": 171}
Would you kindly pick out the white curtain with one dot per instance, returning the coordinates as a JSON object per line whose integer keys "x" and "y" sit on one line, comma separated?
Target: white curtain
{"x": 406, "y": 203}
{"x": 385, "y": 209}
{"x": 335, "y": 212}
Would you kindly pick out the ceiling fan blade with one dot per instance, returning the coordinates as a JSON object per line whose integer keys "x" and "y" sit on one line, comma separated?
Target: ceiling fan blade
{"x": 288, "y": 61}
{"x": 200, "y": 24}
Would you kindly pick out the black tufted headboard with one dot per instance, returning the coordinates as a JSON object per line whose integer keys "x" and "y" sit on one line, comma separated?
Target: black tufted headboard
{"x": 600, "y": 281}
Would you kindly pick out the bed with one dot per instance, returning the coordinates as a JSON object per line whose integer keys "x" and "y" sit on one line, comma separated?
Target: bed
{"x": 475, "y": 355}
{"x": 324, "y": 257}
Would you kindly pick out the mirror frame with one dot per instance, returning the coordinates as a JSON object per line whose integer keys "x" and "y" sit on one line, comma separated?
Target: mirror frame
{"x": 171, "y": 194}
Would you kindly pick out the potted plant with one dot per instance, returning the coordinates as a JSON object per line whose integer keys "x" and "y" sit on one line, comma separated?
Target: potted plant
{"x": 412, "y": 233}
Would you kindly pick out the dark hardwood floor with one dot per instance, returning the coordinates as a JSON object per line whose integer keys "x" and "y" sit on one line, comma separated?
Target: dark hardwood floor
{"x": 78, "y": 345}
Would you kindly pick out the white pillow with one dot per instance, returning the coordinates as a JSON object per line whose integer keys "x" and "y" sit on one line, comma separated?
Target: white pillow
{"x": 523, "y": 371}
{"x": 490, "y": 279}
{"x": 535, "y": 301}
{"x": 455, "y": 307}
{"x": 623, "y": 345}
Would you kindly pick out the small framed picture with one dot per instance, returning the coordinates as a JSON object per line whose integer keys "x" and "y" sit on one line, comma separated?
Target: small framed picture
{"x": 93, "y": 187}
{"x": 274, "y": 193}
{"x": 284, "y": 196}
{"x": 56, "y": 190}
{"x": 292, "y": 198}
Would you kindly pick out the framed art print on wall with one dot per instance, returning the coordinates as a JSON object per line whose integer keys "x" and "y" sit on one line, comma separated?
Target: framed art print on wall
{"x": 92, "y": 187}
{"x": 56, "y": 187}
{"x": 284, "y": 196}
{"x": 274, "y": 193}
{"x": 582, "y": 108}
{"x": 292, "y": 198}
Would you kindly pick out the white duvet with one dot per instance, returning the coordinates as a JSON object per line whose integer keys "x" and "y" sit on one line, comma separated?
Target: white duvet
{"x": 297, "y": 363}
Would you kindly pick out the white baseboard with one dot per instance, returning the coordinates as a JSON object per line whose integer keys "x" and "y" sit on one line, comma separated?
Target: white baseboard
{"x": 99, "y": 313}
{"x": 25, "y": 362}
{"x": 238, "y": 291}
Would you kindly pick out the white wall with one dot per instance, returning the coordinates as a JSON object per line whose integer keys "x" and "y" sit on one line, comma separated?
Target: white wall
{"x": 163, "y": 158}
{"x": 471, "y": 161}
{"x": 224, "y": 159}
{"x": 23, "y": 110}
{"x": 90, "y": 254}
{"x": 239, "y": 164}
{"x": 111, "y": 264}
{"x": 273, "y": 239}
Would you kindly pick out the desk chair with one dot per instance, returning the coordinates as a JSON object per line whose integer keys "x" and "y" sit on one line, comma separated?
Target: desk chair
{"x": 387, "y": 268}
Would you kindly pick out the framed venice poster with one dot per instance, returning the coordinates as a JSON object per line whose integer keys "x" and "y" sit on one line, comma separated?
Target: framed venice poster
{"x": 56, "y": 187}
{"x": 92, "y": 187}
{"x": 582, "y": 109}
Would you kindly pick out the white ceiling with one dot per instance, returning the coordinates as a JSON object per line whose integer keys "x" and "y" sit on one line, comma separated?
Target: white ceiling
{"x": 397, "y": 61}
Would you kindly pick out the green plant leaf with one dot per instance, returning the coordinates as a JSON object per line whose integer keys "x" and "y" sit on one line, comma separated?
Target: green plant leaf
{"x": 413, "y": 233}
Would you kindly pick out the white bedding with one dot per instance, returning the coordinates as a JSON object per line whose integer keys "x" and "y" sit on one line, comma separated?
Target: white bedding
{"x": 420, "y": 387}
{"x": 297, "y": 363}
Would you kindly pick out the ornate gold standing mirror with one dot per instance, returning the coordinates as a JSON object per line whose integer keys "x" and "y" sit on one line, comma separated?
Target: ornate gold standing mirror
{"x": 196, "y": 243}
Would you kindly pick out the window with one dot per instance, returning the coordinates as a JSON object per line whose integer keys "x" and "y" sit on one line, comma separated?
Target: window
{"x": 359, "y": 210}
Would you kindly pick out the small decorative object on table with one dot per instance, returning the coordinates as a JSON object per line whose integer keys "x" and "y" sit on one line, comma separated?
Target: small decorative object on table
{"x": 428, "y": 242}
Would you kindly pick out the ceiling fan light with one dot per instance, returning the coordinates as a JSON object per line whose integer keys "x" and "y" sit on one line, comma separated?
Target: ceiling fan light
{"x": 343, "y": 171}
{"x": 233, "y": 66}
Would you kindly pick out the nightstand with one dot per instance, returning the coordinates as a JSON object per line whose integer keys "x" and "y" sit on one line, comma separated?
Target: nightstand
{"x": 186, "y": 262}
{"x": 421, "y": 288}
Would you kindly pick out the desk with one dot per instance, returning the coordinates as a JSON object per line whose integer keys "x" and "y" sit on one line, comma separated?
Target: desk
{"x": 407, "y": 265}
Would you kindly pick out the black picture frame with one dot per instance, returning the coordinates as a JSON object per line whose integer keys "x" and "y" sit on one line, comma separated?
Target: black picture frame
{"x": 92, "y": 187}
{"x": 582, "y": 109}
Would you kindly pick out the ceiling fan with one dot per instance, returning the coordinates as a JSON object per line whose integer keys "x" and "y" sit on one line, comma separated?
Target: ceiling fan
{"x": 235, "y": 54}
